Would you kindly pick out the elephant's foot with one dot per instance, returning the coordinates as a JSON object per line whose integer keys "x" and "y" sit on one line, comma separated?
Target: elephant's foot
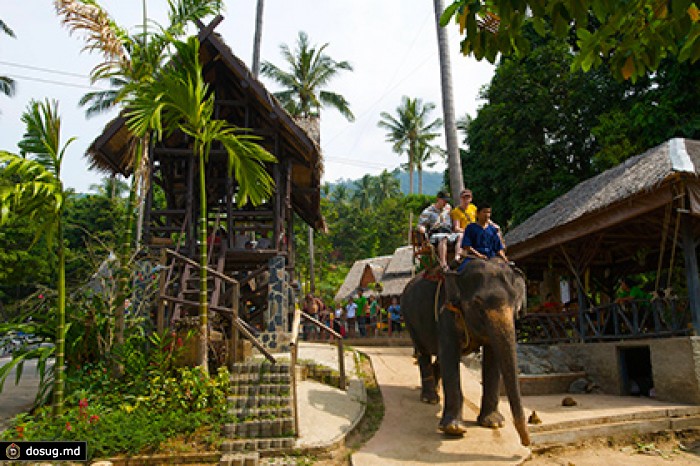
{"x": 453, "y": 427}
{"x": 493, "y": 420}
{"x": 429, "y": 397}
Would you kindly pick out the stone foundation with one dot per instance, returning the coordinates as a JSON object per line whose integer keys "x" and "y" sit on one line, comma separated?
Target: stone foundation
{"x": 675, "y": 366}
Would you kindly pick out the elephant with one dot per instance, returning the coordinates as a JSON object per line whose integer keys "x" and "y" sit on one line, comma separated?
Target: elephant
{"x": 479, "y": 312}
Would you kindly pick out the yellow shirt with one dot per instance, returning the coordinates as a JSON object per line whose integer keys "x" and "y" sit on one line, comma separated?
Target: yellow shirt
{"x": 464, "y": 217}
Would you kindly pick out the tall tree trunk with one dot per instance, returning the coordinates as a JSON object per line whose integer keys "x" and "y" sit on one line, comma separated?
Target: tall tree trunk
{"x": 203, "y": 298}
{"x": 454, "y": 163}
{"x": 60, "y": 369}
{"x": 312, "y": 275}
{"x": 420, "y": 179}
{"x": 258, "y": 37}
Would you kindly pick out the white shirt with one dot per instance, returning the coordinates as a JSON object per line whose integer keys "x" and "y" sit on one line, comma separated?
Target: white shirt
{"x": 351, "y": 308}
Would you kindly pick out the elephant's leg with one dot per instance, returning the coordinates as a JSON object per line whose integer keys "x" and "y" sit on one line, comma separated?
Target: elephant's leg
{"x": 449, "y": 357}
{"x": 490, "y": 378}
{"x": 428, "y": 382}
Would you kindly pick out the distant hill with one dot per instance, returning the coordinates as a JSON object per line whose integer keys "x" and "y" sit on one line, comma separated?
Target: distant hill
{"x": 432, "y": 182}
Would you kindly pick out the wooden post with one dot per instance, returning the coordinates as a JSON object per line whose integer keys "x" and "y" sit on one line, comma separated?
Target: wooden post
{"x": 233, "y": 350}
{"x": 163, "y": 279}
{"x": 691, "y": 270}
{"x": 341, "y": 364}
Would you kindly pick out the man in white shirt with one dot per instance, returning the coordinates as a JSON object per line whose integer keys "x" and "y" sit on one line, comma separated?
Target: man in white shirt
{"x": 350, "y": 316}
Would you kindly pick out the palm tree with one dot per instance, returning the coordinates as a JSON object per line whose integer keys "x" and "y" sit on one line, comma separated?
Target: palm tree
{"x": 363, "y": 191}
{"x": 130, "y": 61}
{"x": 310, "y": 70}
{"x": 454, "y": 163}
{"x": 340, "y": 194}
{"x": 110, "y": 187}
{"x": 39, "y": 196}
{"x": 386, "y": 185}
{"x": 409, "y": 130}
{"x": 7, "y": 85}
{"x": 178, "y": 99}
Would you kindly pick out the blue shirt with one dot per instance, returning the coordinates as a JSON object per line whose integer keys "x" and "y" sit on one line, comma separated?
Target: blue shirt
{"x": 484, "y": 240}
{"x": 395, "y": 312}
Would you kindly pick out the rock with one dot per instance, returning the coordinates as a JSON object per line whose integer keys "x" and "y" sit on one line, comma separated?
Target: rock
{"x": 579, "y": 386}
{"x": 534, "y": 418}
{"x": 568, "y": 401}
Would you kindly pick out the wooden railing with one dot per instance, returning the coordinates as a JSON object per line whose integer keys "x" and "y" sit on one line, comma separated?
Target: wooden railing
{"x": 237, "y": 324}
{"x": 634, "y": 319}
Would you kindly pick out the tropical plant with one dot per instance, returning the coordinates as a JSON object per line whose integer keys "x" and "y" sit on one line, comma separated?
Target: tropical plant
{"x": 7, "y": 85}
{"x": 179, "y": 100}
{"x": 632, "y": 38}
{"x": 409, "y": 130}
{"x": 110, "y": 187}
{"x": 454, "y": 162}
{"x": 130, "y": 61}
{"x": 363, "y": 191}
{"x": 310, "y": 70}
{"x": 386, "y": 186}
{"x": 39, "y": 195}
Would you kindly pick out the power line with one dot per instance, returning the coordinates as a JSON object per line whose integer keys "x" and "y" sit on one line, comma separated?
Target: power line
{"x": 58, "y": 83}
{"x": 45, "y": 70}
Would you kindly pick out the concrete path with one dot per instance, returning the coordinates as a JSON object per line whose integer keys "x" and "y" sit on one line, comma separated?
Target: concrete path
{"x": 16, "y": 399}
{"x": 408, "y": 433}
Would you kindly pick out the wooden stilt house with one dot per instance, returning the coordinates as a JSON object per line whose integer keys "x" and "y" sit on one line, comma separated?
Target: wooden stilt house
{"x": 244, "y": 239}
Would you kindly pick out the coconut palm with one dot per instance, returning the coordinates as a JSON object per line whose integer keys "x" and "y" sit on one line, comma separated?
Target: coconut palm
{"x": 179, "y": 100}
{"x": 39, "y": 196}
{"x": 7, "y": 85}
{"x": 340, "y": 194}
{"x": 386, "y": 185}
{"x": 110, "y": 187}
{"x": 409, "y": 130}
{"x": 363, "y": 191}
{"x": 454, "y": 162}
{"x": 310, "y": 70}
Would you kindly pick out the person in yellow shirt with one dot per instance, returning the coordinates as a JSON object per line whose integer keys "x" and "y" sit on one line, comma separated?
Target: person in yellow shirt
{"x": 462, "y": 215}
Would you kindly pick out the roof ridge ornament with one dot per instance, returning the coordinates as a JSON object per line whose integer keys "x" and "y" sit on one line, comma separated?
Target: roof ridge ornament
{"x": 680, "y": 160}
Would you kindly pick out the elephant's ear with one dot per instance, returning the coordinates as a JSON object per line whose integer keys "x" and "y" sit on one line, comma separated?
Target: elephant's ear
{"x": 520, "y": 285}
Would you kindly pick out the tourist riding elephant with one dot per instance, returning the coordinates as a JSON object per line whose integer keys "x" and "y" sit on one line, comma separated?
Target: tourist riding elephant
{"x": 484, "y": 298}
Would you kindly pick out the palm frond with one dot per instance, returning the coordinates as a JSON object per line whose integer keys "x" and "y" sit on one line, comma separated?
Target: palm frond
{"x": 338, "y": 102}
{"x": 7, "y": 86}
{"x": 102, "y": 34}
{"x": 6, "y": 29}
{"x": 182, "y": 12}
{"x": 98, "y": 102}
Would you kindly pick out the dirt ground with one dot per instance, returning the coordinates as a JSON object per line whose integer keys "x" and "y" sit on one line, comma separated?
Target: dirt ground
{"x": 678, "y": 449}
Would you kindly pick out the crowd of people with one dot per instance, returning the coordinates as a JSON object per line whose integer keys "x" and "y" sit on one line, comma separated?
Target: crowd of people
{"x": 359, "y": 316}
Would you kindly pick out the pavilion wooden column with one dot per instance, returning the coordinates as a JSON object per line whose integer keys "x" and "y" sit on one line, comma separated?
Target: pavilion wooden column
{"x": 691, "y": 270}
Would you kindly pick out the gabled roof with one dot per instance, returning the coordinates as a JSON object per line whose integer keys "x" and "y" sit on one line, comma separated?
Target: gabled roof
{"x": 392, "y": 271}
{"x": 611, "y": 197}
{"x": 110, "y": 151}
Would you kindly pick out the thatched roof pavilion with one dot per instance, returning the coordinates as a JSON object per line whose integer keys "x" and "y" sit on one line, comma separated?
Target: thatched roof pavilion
{"x": 393, "y": 272}
{"x": 628, "y": 219}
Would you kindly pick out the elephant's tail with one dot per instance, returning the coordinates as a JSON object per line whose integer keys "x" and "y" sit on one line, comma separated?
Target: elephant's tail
{"x": 502, "y": 337}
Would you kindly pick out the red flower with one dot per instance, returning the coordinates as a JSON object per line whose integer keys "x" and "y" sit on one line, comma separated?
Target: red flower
{"x": 94, "y": 418}
{"x": 68, "y": 426}
{"x": 83, "y": 403}
{"x": 179, "y": 342}
{"x": 20, "y": 431}
{"x": 41, "y": 296}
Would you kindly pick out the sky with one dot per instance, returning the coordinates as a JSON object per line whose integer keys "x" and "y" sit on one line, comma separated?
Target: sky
{"x": 391, "y": 44}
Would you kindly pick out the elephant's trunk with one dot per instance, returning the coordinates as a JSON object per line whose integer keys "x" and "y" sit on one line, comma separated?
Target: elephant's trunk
{"x": 502, "y": 336}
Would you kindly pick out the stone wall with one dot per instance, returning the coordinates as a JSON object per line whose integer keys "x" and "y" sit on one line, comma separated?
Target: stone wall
{"x": 276, "y": 337}
{"x": 675, "y": 366}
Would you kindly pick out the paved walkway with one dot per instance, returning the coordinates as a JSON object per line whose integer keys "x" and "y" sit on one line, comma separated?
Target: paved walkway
{"x": 409, "y": 435}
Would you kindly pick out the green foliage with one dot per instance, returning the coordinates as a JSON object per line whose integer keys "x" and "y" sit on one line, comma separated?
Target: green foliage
{"x": 632, "y": 38}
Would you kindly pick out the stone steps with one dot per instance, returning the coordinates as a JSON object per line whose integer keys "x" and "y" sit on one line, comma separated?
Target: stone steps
{"x": 262, "y": 404}
{"x": 642, "y": 422}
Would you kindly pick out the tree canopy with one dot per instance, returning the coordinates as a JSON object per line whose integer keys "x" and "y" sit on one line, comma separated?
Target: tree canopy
{"x": 631, "y": 37}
